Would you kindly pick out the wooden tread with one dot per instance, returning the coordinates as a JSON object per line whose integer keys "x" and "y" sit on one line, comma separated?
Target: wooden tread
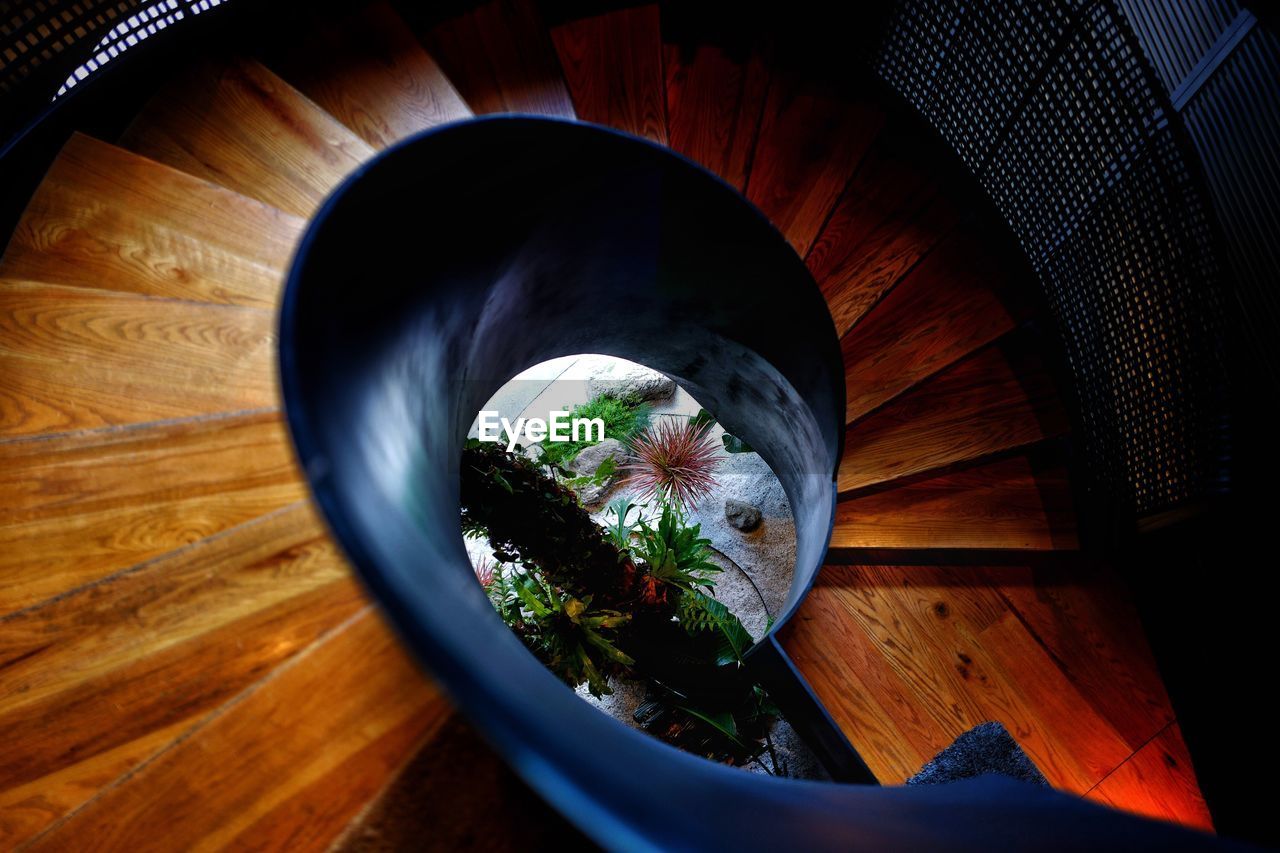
{"x": 906, "y": 658}
{"x": 80, "y": 507}
{"x": 368, "y": 70}
{"x": 1010, "y": 504}
{"x": 714, "y": 105}
{"x": 236, "y": 124}
{"x": 106, "y": 218}
{"x": 998, "y": 400}
{"x": 891, "y": 215}
{"x": 101, "y": 679}
{"x": 428, "y": 799}
{"x": 499, "y": 56}
{"x": 613, "y": 67}
{"x": 1158, "y": 782}
{"x": 809, "y": 144}
{"x": 73, "y": 358}
{"x": 286, "y": 765}
{"x": 948, "y": 306}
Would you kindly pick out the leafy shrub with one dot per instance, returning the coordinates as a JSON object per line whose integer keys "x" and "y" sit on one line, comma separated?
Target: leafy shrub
{"x": 566, "y": 633}
{"x": 623, "y": 417}
{"x": 673, "y": 555}
{"x": 531, "y": 519}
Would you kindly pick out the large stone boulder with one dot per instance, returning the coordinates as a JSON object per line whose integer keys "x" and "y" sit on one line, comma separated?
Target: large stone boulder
{"x": 621, "y": 379}
{"x": 588, "y": 462}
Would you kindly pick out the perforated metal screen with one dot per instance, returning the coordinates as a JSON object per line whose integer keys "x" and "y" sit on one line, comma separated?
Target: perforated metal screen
{"x": 1066, "y": 124}
{"x": 48, "y": 46}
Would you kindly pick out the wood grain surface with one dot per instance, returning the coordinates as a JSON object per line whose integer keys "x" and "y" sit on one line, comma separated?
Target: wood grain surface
{"x": 1010, "y": 504}
{"x": 368, "y": 70}
{"x": 73, "y": 358}
{"x": 810, "y": 142}
{"x": 79, "y": 507}
{"x": 612, "y": 64}
{"x": 236, "y": 124}
{"x": 948, "y": 306}
{"x": 1158, "y": 781}
{"x": 906, "y": 658}
{"x": 890, "y": 216}
{"x": 499, "y": 57}
{"x": 714, "y": 104}
{"x": 997, "y": 400}
{"x": 288, "y": 764}
{"x": 106, "y": 218}
{"x": 109, "y": 674}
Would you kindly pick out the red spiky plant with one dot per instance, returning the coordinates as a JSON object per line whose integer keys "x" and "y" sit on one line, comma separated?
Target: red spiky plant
{"x": 674, "y": 459}
{"x": 484, "y": 569}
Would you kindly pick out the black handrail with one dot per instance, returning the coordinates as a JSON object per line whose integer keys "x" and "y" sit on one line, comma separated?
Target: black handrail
{"x": 454, "y": 260}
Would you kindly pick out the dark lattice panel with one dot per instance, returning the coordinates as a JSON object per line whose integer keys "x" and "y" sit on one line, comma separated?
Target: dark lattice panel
{"x": 915, "y": 46}
{"x": 1085, "y": 123}
{"x": 34, "y": 34}
{"x": 1004, "y": 52}
{"x": 47, "y": 46}
{"x": 1160, "y": 392}
{"x": 1065, "y": 123}
{"x": 146, "y": 21}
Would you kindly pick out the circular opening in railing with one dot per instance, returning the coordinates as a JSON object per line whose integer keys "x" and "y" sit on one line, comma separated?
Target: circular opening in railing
{"x": 638, "y": 549}
{"x": 454, "y": 261}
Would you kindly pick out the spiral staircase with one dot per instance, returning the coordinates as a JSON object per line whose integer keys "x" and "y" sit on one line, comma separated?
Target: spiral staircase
{"x": 183, "y": 645}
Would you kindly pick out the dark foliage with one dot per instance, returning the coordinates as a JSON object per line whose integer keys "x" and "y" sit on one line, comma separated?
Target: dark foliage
{"x": 532, "y": 520}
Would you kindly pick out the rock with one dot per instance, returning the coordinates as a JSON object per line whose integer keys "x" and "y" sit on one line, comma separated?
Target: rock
{"x": 589, "y": 460}
{"x": 741, "y": 515}
{"x": 622, "y": 378}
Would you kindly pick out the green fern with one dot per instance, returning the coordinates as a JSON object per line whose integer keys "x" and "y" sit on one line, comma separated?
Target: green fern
{"x": 699, "y": 613}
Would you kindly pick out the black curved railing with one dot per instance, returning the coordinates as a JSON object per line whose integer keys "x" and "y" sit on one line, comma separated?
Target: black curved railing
{"x": 454, "y": 260}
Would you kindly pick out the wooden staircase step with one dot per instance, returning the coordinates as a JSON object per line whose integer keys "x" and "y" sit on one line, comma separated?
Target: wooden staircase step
{"x": 449, "y": 792}
{"x": 78, "y": 508}
{"x": 1159, "y": 782}
{"x": 890, "y": 216}
{"x": 368, "y": 70}
{"x": 235, "y": 123}
{"x": 714, "y": 104}
{"x": 872, "y": 703}
{"x": 907, "y": 658}
{"x": 1010, "y": 504}
{"x": 28, "y": 809}
{"x": 810, "y": 142}
{"x": 287, "y": 764}
{"x": 104, "y": 678}
{"x": 72, "y": 358}
{"x": 498, "y": 55}
{"x": 107, "y": 218}
{"x": 997, "y": 400}
{"x": 1084, "y": 616}
{"x": 613, "y": 66}
{"x": 954, "y": 302}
